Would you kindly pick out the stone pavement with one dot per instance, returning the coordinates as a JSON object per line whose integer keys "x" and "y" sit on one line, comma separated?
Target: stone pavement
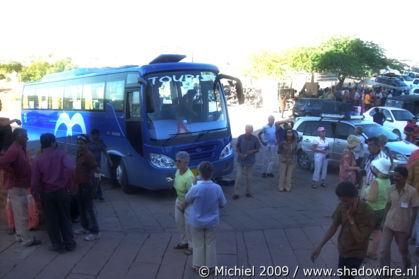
{"x": 138, "y": 235}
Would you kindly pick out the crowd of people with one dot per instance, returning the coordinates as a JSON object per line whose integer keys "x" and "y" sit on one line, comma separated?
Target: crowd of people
{"x": 370, "y": 206}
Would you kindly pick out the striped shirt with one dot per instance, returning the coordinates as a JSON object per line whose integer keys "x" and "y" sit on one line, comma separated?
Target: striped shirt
{"x": 368, "y": 165}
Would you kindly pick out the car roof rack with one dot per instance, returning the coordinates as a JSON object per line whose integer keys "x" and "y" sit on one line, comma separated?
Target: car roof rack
{"x": 341, "y": 117}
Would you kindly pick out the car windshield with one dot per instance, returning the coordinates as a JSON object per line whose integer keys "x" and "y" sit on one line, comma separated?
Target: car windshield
{"x": 374, "y": 130}
{"x": 402, "y": 115}
{"x": 184, "y": 103}
{"x": 407, "y": 78}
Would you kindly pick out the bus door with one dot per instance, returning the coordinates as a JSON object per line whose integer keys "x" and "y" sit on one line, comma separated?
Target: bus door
{"x": 133, "y": 125}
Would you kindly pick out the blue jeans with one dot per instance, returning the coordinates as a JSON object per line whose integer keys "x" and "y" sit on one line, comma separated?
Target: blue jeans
{"x": 87, "y": 214}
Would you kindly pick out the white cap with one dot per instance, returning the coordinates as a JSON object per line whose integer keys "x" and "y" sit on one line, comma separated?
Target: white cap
{"x": 382, "y": 164}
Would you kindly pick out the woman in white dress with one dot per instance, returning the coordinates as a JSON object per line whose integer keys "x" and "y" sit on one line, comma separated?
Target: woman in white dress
{"x": 320, "y": 147}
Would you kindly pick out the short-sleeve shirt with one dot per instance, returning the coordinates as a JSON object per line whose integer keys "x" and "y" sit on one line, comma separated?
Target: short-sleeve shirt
{"x": 364, "y": 218}
{"x": 97, "y": 148}
{"x": 269, "y": 134}
{"x": 182, "y": 184}
{"x": 245, "y": 144}
{"x": 398, "y": 216}
{"x": 321, "y": 144}
{"x": 205, "y": 198}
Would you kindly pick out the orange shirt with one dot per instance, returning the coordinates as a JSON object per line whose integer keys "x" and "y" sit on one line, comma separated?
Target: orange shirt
{"x": 367, "y": 99}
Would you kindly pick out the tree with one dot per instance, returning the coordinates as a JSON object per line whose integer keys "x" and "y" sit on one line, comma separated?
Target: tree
{"x": 353, "y": 58}
{"x": 36, "y": 70}
{"x": 302, "y": 59}
{"x": 268, "y": 63}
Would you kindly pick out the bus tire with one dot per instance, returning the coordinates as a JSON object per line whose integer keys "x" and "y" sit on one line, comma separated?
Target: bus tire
{"x": 121, "y": 177}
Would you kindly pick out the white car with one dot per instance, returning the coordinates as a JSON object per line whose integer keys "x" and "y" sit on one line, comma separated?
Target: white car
{"x": 415, "y": 82}
{"x": 414, "y": 91}
{"x": 396, "y": 119}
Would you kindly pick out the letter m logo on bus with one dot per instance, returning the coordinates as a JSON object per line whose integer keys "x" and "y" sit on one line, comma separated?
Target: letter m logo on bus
{"x": 64, "y": 119}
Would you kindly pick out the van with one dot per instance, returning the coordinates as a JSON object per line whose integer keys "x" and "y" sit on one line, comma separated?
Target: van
{"x": 408, "y": 102}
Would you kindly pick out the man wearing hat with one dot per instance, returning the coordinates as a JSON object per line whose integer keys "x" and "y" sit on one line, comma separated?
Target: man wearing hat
{"x": 86, "y": 166}
{"x": 52, "y": 174}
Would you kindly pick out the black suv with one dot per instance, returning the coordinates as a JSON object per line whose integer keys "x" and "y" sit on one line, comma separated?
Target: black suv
{"x": 315, "y": 107}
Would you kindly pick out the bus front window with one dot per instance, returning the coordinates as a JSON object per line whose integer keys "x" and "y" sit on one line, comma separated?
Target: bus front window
{"x": 184, "y": 103}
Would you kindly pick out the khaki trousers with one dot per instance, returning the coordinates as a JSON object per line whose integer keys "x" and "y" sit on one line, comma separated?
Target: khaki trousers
{"x": 248, "y": 170}
{"x": 19, "y": 200}
{"x": 182, "y": 224}
{"x": 204, "y": 247}
{"x": 401, "y": 241}
{"x": 285, "y": 175}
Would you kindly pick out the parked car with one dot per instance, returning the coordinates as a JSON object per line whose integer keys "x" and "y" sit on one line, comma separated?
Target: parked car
{"x": 414, "y": 91}
{"x": 391, "y": 82}
{"x": 315, "y": 107}
{"x": 415, "y": 82}
{"x": 396, "y": 118}
{"x": 406, "y": 79}
{"x": 337, "y": 132}
{"x": 409, "y": 102}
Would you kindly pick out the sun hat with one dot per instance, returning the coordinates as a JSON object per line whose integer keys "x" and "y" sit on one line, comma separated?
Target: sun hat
{"x": 353, "y": 141}
{"x": 84, "y": 138}
{"x": 320, "y": 129}
{"x": 382, "y": 165}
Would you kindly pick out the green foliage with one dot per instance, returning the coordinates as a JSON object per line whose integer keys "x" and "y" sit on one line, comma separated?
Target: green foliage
{"x": 37, "y": 69}
{"x": 344, "y": 56}
{"x": 267, "y": 63}
{"x": 11, "y": 67}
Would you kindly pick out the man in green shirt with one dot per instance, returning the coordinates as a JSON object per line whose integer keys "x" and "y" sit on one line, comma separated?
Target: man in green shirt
{"x": 183, "y": 182}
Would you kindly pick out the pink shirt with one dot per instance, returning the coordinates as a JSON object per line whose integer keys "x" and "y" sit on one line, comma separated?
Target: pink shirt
{"x": 17, "y": 171}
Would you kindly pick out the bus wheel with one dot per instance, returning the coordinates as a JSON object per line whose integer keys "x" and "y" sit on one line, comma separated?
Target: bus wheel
{"x": 121, "y": 177}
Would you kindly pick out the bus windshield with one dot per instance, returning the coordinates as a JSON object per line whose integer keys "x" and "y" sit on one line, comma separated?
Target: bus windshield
{"x": 184, "y": 103}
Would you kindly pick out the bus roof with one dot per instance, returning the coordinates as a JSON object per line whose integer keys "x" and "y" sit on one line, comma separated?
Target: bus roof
{"x": 143, "y": 70}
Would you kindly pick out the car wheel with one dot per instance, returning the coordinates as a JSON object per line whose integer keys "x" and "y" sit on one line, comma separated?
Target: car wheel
{"x": 121, "y": 177}
{"x": 303, "y": 160}
{"x": 397, "y": 132}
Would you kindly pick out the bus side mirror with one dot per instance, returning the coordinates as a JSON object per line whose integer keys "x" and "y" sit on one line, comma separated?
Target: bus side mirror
{"x": 238, "y": 86}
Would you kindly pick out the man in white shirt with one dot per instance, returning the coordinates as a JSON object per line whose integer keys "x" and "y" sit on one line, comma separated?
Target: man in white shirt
{"x": 269, "y": 141}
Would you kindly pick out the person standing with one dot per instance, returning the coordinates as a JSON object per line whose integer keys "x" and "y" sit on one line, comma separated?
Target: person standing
{"x": 359, "y": 153}
{"x": 375, "y": 151}
{"x": 97, "y": 146}
{"x": 268, "y": 141}
{"x": 348, "y": 168}
{"x": 413, "y": 179}
{"x": 52, "y": 174}
{"x": 379, "y": 117}
{"x": 247, "y": 147}
{"x": 376, "y": 197}
{"x": 320, "y": 147}
{"x": 85, "y": 168}
{"x": 287, "y": 151}
{"x": 17, "y": 178}
{"x": 183, "y": 182}
{"x": 412, "y": 131}
{"x": 401, "y": 210}
{"x": 205, "y": 199}
{"x": 367, "y": 101}
{"x": 356, "y": 219}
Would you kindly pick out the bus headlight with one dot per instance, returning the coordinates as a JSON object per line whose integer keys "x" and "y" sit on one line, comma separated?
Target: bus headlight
{"x": 162, "y": 161}
{"x": 227, "y": 151}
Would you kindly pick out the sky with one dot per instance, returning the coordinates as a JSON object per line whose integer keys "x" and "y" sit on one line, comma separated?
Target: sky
{"x": 114, "y": 33}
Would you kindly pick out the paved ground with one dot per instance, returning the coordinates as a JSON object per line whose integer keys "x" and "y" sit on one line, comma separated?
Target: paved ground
{"x": 138, "y": 233}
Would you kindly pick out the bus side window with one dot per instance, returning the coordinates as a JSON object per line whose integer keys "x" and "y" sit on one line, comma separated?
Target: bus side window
{"x": 72, "y": 96}
{"x": 93, "y": 96}
{"x": 30, "y": 99}
{"x": 115, "y": 94}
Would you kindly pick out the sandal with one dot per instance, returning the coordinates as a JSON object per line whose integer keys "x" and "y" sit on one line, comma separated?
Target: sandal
{"x": 323, "y": 185}
{"x": 188, "y": 252}
{"x": 314, "y": 186}
{"x": 181, "y": 246}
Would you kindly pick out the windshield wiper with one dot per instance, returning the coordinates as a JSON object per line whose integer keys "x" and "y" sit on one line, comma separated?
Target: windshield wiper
{"x": 203, "y": 133}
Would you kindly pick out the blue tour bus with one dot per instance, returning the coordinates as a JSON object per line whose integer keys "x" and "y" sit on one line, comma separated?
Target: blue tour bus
{"x": 145, "y": 115}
